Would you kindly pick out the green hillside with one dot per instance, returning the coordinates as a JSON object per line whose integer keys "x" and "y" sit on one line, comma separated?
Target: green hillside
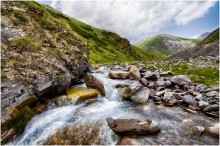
{"x": 157, "y": 45}
{"x": 105, "y": 46}
{"x": 211, "y": 37}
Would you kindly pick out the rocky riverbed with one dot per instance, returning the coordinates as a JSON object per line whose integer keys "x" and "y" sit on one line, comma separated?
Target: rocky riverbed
{"x": 128, "y": 105}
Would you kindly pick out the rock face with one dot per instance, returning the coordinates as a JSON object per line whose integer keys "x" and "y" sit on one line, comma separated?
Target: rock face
{"x": 132, "y": 126}
{"x": 93, "y": 82}
{"x": 118, "y": 75}
{"x": 134, "y": 73}
{"x": 181, "y": 80}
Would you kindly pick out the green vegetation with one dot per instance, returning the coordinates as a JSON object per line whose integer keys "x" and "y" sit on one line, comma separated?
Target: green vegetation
{"x": 105, "y": 47}
{"x": 156, "y": 44}
{"x": 211, "y": 37}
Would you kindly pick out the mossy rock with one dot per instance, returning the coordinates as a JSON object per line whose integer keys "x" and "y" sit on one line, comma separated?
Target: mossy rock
{"x": 81, "y": 94}
{"x": 20, "y": 118}
{"x": 31, "y": 100}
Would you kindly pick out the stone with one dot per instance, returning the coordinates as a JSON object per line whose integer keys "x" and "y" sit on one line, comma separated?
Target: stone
{"x": 203, "y": 104}
{"x": 127, "y": 141}
{"x": 151, "y": 76}
{"x": 189, "y": 100}
{"x": 143, "y": 82}
{"x": 197, "y": 130}
{"x": 7, "y": 135}
{"x": 161, "y": 93}
{"x": 213, "y": 131}
{"x": 214, "y": 107}
{"x": 128, "y": 91}
{"x": 199, "y": 97}
{"x": 160, "y": 88}
{"x": 142, "y": 69}
{"x": 200, "y": 88}
{"x": 134, "y": 73}
{"x": 141, "y": 96}
{"x": 63, "y": 83}
{"x": 168, "y": 96}
{"x": 118, "y": 75}
{"x": 132, "y": 126}
{"x": 151, "y": 85}
{"x": 93, "y": 82}
{"x": 211, "y": 94}
{"x": 157, "y": 99}
{"x": 166, "y": 73}
{"x": 181, "y": 80}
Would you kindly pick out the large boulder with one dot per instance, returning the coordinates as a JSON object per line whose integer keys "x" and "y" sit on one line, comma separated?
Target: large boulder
{"x": 181, "y": 80}
{"x": 118, "y": 75}
{"x": 134, "y": 73}
{"x": 93, "y": 82}
{"x": 132, "y": 126}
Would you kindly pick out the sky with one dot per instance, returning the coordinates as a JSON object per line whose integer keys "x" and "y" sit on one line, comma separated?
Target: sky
{"x": 138, "y": 20}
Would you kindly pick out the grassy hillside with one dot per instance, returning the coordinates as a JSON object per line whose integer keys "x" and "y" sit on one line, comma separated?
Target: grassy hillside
{"x": 105, "y": 46}
{"x": 211, "y": 37}
{"x": 157, "y": 44}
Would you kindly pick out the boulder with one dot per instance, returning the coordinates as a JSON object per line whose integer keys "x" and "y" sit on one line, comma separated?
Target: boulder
{"x": 214, "y": 107}
{"x": 213, "y": 131}
{"x": 203, "y": 104}
{"x": 118, "y": 75}
{"x": 143, "y": 82}
{"x": 168, "y": 96}
{"x": 166, "y": 73}
{"x": 211, "y": 94}
{"x": 93, "y": 82}
{"x": 199, "y": 97}
{"x": 151, "y": 85}
{"x": 189, "y": 100}
{"x": 132, "y": 126}
{"x": 164, "y": 83}
{"x": 181, "y": 80}
{"x": 142, "y": 69}
{"x": 141, "y": 96}
{"x": 127, "y": 141}
{"x": 128, "y": 91}
{"x": 200, "y": 88}
{"x": 134, "y": 73}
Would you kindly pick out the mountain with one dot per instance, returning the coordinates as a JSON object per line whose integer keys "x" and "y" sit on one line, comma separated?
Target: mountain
{"x": 203, "y": 36}
{"x": 208, "y": 47}
{"x": 165, "y": 45}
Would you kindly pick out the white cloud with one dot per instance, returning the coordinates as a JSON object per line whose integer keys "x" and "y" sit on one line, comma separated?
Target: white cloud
{"x": 133, "y": 19}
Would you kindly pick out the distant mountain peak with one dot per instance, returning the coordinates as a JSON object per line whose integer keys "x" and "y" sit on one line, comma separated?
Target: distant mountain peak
{"x": 203, "y": 36}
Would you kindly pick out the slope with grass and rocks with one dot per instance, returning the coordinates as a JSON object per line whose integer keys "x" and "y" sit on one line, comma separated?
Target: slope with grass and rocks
{"x": 165, "y": 45}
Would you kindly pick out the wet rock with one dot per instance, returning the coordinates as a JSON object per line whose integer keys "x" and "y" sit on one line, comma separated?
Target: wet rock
{"x": 134, "y": 73}
{"x": 132, "y": 126}
{"x": 93, "y": 82}
{"x": 181, "y": 80}
{"x": 151, "y": 76}
{"x": 128, "y": 91}
{"x": 143, "y": 82}
{"x": 7, "y": 135}
{"x": 90, "y": 101}
{"x": 168, "y": 96}
{"x": 166, "y": 73}
{"x": 211, "y": 94}
{"x": 127, "y": 141}
{"x": 196, "y": 130}
{"x": 203, "y": 104}
{"x": 121, "y": 86}
{"x": 189, "y": 100}
{"x": 118, "y": 75}
{"x": 40, "y": 108}
{"x": 79, "y": 94}
{"x": 141, "y": 96}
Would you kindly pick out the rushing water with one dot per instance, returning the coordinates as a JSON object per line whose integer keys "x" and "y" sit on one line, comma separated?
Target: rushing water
{"x": 174, "y": 121}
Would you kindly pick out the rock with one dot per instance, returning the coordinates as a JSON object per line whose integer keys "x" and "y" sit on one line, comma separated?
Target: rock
{"x": 143, "y": 82}
{"x": 181, "y": 80}
{"x": 134, "y": 73}
{"x": 166, "y": 73}
{"x": 7, "y": 135}
{"x": 157, "y": 99}
{"x": 189, "y": 100}
{"x": 168, "y": 96}
{"x": 40, "y": 108}
{"x": 118, "y": 75}
{"x": 151, "y": 85}
{"x": 90, "y": 101}
{"x": 176, "y": 87}
{"x": 132, "y": 126}
{"x": 79, "y": 94}
{"x": 63, "y": 84}
{"x": 141, "y": 96}
{"x": 160, "y": 88}
{"x": 127, "y": 141}
{"x": 152, "y": 92}
{"x": 93, "y": 82}
{"x": 213, "y": 101}
{"x": 214, "y": 107}
{"x": 200, "y": 88}
{"x": 211, "y": 94}
{"x": 151, "y": 76}
{"x": 203, "y": 104}
{"x": 142, "y": 69}
{"x": 213, "y": 131}
{"x": 161, "y": 93}
{"x": 136, "y": 93}
{"x": 199, "y": 97}
{"x": 121, "y": 86}
{"x": 186, "y": 87}
{"x": 197, "y": 130}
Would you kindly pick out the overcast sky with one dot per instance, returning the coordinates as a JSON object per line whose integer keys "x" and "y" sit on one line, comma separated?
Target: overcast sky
{"x": 137, "y": 20}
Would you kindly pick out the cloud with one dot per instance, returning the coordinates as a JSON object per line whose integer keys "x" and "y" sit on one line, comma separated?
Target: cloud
{"x": 195, "y": 36}
{"x": 133, "y": 19}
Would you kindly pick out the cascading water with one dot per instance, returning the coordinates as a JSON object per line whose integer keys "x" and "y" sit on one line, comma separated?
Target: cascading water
{"x": 174, "y": 122}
